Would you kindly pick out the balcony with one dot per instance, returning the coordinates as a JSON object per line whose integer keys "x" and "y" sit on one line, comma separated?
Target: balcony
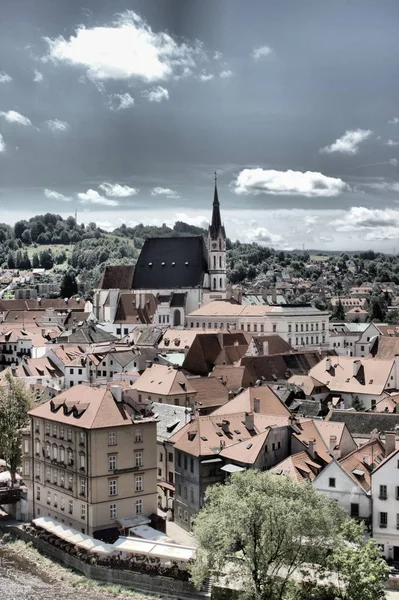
{"x": 382, "y": 497}
{"x": 9, "y": 495}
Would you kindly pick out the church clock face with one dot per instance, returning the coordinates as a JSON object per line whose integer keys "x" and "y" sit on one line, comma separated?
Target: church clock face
{"x": 214, "y": 245}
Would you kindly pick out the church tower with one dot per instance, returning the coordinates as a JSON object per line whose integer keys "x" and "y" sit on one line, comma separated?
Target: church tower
{"x": 217, "y": 248}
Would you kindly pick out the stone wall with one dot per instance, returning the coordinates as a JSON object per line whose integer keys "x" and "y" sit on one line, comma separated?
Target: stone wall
{"x": 138, "y": 581}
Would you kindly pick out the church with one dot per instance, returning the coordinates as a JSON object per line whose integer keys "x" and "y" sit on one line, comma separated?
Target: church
{"x": 172, "y": 277}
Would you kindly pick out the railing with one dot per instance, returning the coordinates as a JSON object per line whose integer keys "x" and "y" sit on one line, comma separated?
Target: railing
{"x": 9, "y": 495}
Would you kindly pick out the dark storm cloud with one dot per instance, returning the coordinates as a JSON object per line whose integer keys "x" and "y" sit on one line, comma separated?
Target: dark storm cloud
{"x": 329, "y": 71}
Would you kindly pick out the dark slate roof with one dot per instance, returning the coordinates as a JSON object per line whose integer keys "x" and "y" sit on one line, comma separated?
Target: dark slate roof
{"x": 171, "y": 263}
{"x": 280, "y": 367}
{"x": 307, "y": 408}
{"x": 207, "y": 347}
{"x": 127, "y": 312}
{"x": 363, "y": 423}
{"x": 170, "y": 419}
{"x": 178, "y": 300}
{"x": 276, "y": 344}
{"x": 149, "y": 336}
{"x": 124, "y": 358}
{"x": 117, "y": 277}
{"x": 85, "y": 334}
{"x": 216, "y": 226}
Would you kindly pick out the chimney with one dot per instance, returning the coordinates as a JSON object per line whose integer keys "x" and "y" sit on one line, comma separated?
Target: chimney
{"x": 390, "y": 442}
{"x": 137, "y": 299}
{"x": 256, "y": 405}
{"x": 274, "y": 295}
{"x": 328, "y": 363}
{"x": 265, "y": 348}
{"x": 311, "y": 449}
{"x": 366, "y": 459}
{"x": 225, "y": 425}
{"x": 356, "y": 366}
{"x": 374, "y": 435}
{"x": 142, "y": 300}
{"x": 249, "y": 421}
{"x": 148, "y": 364}
{"x": 116, "y": 391}
{"x": 333, "y": 443}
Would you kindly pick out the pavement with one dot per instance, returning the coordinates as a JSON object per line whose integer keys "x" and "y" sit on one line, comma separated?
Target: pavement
{"x": 179, "y": 535}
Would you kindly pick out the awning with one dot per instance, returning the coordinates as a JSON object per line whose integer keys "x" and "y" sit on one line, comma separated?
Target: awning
{"x": 128, "y": 522}
{"x": 232, "y": 468}
{"x": 166, "y": 485}
{"x": 149, "y": 533}
{"x": 208, "y": 461}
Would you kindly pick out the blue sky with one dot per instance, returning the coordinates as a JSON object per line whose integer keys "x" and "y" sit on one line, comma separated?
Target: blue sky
{"x": 123, "y": 110}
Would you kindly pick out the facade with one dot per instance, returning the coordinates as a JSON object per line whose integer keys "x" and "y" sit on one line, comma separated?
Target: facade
{"x": 91, "y": 460}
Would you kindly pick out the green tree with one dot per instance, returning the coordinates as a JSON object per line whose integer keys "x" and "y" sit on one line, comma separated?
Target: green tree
{"x": 11, "y": 260}
{"x": 46, "y": 259}
{"x": 69, "y": 286}
{"x": 357, "y": 404}
{"x": 339, "y": 312}
{"x": 392, "y": 317}
{"x": 377, "y": 308}
{"x": 15, "y": 401}
{"x": 35, "y": 261}
{"x": 261, "y": 527}
{"x": 358, "y": 565}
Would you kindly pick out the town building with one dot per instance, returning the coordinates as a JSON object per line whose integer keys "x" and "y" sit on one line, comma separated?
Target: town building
{"x": 91, "y": 460}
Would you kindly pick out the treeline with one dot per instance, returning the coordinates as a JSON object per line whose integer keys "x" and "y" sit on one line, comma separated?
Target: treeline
{"x": 140, "y": 232}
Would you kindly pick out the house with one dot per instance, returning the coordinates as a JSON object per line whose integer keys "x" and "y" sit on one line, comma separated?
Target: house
{"x": 91, "y": 460}
{"x": 163, "y": 384}
{"x": 385, "y": 495}
{"x": 211, "y": 394}
{"x": 328, "y": 440}
{"x": 348, "y": 480}
{"x": 301, "y": 466}
{"x": 210, "y": 349}
{"x": 280, "y": 367}
{"x": 259, "y": 399}
{"x": 362, "y": 424}
{"x": 235, "y": 378}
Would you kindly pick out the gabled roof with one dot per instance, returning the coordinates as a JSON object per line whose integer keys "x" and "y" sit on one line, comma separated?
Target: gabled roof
{"x": 117, "y": 277}
{"x": 209, "y": 349}
{"x": 337, "y": 374}
{"x": 170, "y": 419}
{"x": 85, "y": 407}
{"x": 129, "y": 312}
{"x": 275, "y": 344}
{"x": 363, "y": 423}
{"x": 234, "y": 377}
{"x": 300, "y": 466}
{"x": 280, "y": 367}
{"x": 307, "y": 383}
{"x": 163, "y": 380}
{"x": 269, "y": 402}
{"x": 87, "y": 333}
{"x": 360, "y": 463}
{"x": 247, "y": 451}
{"x": 385, "y": 347}
{"x": 210, "y": 392}
{"x": 321, "y": 432}
{"x": 171, "y": 263}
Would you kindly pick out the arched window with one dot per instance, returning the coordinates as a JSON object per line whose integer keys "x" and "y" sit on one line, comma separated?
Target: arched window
{"x": 214, "y": 262}
{"x": 220, "y": 243}
{"x": 221, "y": 283}
{"x": 214, "y": 283}
{"x": 176, "y": 318}
{"x": 220, "y": 262}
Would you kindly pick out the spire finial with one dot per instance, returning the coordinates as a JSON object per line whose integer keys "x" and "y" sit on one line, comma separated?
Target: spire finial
{"x": 216, "y": 177}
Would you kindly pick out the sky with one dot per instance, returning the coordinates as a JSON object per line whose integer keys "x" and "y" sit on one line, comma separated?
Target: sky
{"x": 123, "y": 110}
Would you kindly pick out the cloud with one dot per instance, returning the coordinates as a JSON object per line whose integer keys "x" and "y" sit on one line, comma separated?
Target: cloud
{"x": 38, "y": 77}
{"x": 261, "y": 235}
{"x": 261, "y": 52}
{"x": 2, "y": 144}
{"x": 205, "y": 76}
{"x": 225, "y": 74}
{"x": 287, "y": 183}
{"x": 394, "y": 121}
{"x": 53, "y": 195}
{"x": 197, "y": 221}
{"x": 157, "y": 94}
{"x": 57, "y": 125}
{"x": 324, "y": 238}
{"x": 217, "y": 55}
{"x": 359, "y": 218}
{"x": 127, "y": 48}
{"x": 120, "y": 101}
{"x": 4, "y": 77}
{"x": 160, "y": 191}
{"x": 349, "y": 142}
{"x": 310, "y": 220}
{"x": 393, "y": 162}
{"x": 93, "y": 197}
{"x": 12, "y": 116}
{"x": 391, "y": 143}
{"x": 115, "y": 190}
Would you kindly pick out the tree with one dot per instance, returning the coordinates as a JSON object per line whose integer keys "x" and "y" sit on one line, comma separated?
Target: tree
{"x": 339, "y": 312}
{"x": 358, "y": 565}
{"x": 26, "y": 237}
{"x": 357, "y": 404}
{"x": 35, "y": 261}
{"x": 15, "y": 401}
{"x": 377, "y": 308}
{"x": 11, "y": 260}
{"x": 392, "y": 317}
{"x": 69, "y": 286}
{"x": 46, "y": 259}
{"x": 262, "y": 527}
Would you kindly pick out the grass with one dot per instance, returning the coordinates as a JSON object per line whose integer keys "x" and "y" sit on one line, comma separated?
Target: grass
{"x": 318, "y": 257}
{"x": 55, "y": 248}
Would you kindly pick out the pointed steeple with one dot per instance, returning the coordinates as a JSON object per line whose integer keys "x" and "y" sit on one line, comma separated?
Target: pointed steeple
{"x": 216, "y": 223}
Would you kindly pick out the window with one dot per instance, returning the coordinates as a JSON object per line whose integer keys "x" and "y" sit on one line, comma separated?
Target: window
{"x": 192, "y": 465}
{"x": 355, "y": 510}
{"x": 82, "y": 460}
{"x": 62, "y": 454}
{"x": 159, "y": 472}
{"x": 82, "y": 438}
{"x": 112, "y": 511}
{"x": 274, "y": 328}
{"x": 186, "y": 516}
{"x": 69, "y": 434}
{"x": 26, "y": 467}
{"x": 79, "y": 371}
{"x": 112, "y": 462}
{"x": 54, "y": 430}
{"x": 55, "y": 499}
{"x": 112, "y": 487}
{"x": 179, "y": 489}
{"x": 301, "y": 326}
{"x": 138, "y": 480}
{"x": 170, "y": 456}
{"x": 62, "y": 504}
{"x": 61, "y": 432}
{"x": 37, "y": 426}
{"x": 138, "y": 435}
{"x": 179, "y": 460}
{"x": 331, "y": 482}
{"x": 139, "y": 506}
{"x": 62, "y": 478}
{"x": 70, "y": 482}
{"x": 383, "y": 520}
{"x": 83, "y": 511}
{"x": 48, "y": 497}
{"x": 47, "y": 428}
{"x": 160, "y": 457}
{"x": 262, "y": 328}
{"x": 176, "y": 401}
{"x": 48, "y": 475}
{"x": 185, "y": 462}
{"x": 70, "y": 458}
{"x": 83, "y": 487}
{"x": 37, "y": 493}
{"x": 26, "y": 446}
{"x": 55, "y": 453}
{"x": 70, "y": 507}
{"x": 185, "y": 492}
{"x": 112, "y": 438}
{"x": 138, "y": 459}
{"x": 55, "y": 476}
{"x": 383, "y": 492}
{"x": 362, "y": 348}
{"x": 191, "y": 495}
{"x": 179, "y": 512}
{"x": 249, "y": 327}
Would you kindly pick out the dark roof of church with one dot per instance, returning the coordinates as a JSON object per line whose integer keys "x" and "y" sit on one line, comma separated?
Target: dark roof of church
{"x": 117, "y": 277}
{"x": 171, "y": 263}
{"x": 216, "y": 223}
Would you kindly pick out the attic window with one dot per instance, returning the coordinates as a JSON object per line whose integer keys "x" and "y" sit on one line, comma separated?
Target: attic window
{"x": 249, "y": 446}
{"x": 173, "y": 264}
{"x": 371, "y": 380}
{"x": 163, "y": 264}
{"x": 237, "y": 431}
{"x": 358, "y": 472}
{"x": 219, "y": 433}
{"x": 347, "y": 380}
{"x": 203, "y": 438}
{"x": 150, "y": 264}
{"x": 186, "y": 263}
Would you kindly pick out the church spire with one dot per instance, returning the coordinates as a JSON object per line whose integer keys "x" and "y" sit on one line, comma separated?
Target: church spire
{"x": 216, "y": 223}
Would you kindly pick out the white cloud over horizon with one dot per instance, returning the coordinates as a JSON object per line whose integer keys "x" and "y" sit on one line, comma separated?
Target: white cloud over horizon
{"x": 226, "y": 74}
{"x": 287, "y": 183}
{"x": 53, "y": 195}
{"x": 37, "y": 77}
{"x": 161, "y": 191}
{"x": 2, "y": 144}
{"x": 93, "y": 197}
{"x": 261, "y": 52}
{"x": 348, "y": 143}
{"x": 120, "y": 101}
{"x": 116, "y": 190}
{"x": 156, "y": 94}
{"x": 204, "y": 76}
{"x": 12, "y": 116}
{"x": 57, "y": 125}
{"x": 5, "y": 77}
